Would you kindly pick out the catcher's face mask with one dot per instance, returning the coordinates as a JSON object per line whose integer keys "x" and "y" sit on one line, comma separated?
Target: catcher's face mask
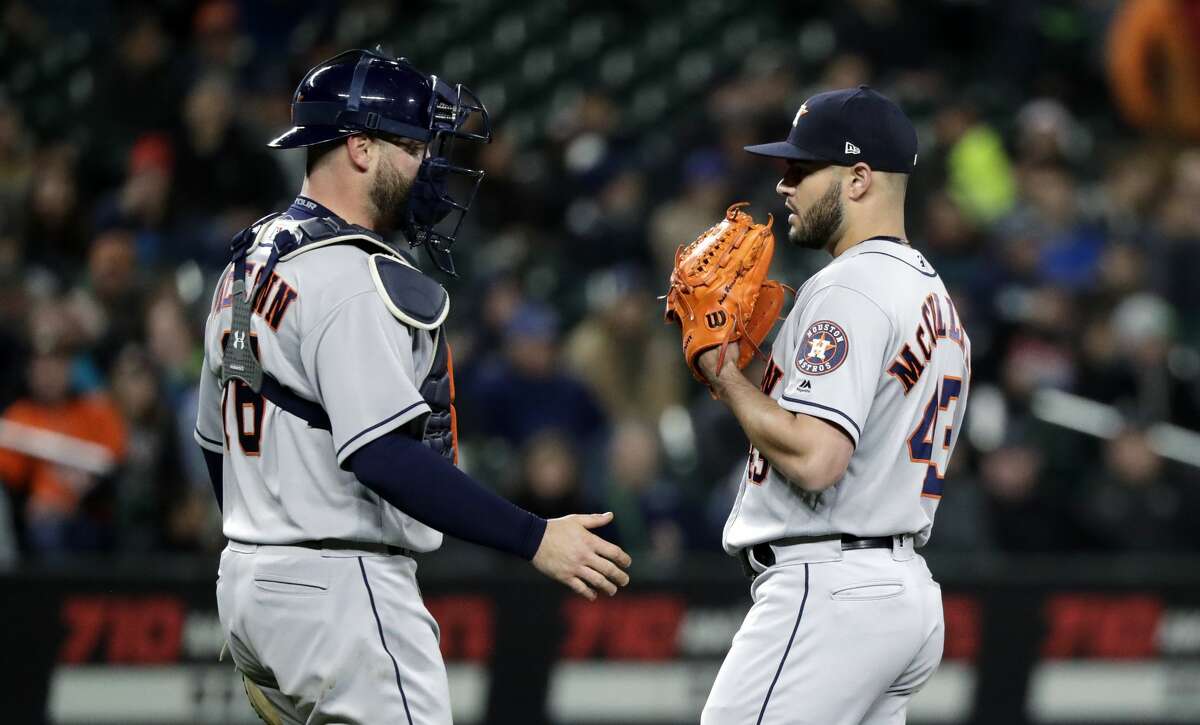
{"x": 443, "y": 191}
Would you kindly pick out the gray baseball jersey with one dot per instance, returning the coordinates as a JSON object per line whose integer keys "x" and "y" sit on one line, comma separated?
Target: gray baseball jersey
{"x": 324, "y": 331}
{"x": 875, "y": 346}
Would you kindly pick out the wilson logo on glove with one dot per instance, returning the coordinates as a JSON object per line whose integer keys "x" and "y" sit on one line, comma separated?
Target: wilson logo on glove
{"x": 722, "y": 278}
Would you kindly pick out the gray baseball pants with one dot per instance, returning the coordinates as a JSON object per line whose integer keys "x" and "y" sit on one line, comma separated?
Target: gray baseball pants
{"x": 834, "y": 637}
{"x": 331, "y": 636}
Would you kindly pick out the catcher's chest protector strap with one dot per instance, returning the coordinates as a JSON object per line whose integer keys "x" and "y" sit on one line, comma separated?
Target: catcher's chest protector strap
{"x": 441, "y": 426}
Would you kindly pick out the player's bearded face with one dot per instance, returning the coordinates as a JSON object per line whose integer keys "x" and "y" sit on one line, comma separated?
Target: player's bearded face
{"x": 389, "y": 195}
{"x": 816, "y": 227}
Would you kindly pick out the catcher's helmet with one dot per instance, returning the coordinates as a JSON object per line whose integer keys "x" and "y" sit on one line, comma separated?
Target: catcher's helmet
{"x": 366, "y": 91}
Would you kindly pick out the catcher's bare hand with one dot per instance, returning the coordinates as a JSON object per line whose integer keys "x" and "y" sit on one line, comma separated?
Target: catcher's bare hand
{"x": 586, "y": 563}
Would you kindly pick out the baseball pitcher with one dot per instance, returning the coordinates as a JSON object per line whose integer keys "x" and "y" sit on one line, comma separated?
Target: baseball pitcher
{"x": 851, "y": 428}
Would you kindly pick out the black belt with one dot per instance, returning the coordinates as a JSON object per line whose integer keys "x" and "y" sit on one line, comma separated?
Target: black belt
{"x": 344, "y": 544}
{"x": 765, "y": 555}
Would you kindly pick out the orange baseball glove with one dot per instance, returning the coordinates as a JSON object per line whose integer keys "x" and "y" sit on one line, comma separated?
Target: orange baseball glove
{"x": 719, "y": 290}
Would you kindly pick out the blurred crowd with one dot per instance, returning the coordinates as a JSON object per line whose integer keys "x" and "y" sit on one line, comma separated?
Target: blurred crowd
{"x": 1066, "y": 228}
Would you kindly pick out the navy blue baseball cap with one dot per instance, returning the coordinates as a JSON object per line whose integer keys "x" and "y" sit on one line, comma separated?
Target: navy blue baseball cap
{"x": 845, "y": 127}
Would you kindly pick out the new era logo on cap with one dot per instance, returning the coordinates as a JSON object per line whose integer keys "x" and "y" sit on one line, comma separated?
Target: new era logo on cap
{"x": 852, "y": 149}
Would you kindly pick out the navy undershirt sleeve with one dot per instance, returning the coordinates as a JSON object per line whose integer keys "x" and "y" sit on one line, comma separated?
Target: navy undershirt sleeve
{"x": 215, "y": 463}
{"x": 424, "y": 485}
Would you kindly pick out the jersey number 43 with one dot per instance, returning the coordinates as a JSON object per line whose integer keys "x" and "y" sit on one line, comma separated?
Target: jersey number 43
{"x": 933, "y": 429}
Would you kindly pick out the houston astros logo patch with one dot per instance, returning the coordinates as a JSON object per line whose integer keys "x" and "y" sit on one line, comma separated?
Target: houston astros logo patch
{"x": 822, "y": 349}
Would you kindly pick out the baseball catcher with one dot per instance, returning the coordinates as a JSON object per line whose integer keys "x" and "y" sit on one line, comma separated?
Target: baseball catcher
{"x": 327, "y": 418}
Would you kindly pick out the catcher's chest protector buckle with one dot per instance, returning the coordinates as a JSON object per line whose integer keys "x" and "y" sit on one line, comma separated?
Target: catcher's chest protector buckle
{"x": 240, "y": 361}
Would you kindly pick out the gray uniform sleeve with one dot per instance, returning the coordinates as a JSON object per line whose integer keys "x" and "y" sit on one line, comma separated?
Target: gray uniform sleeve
{"x": 210, "y": 415}
{"x": 209, "y": 432}
{"x": 360, "y": 361}
{"x": 838, "y": 347}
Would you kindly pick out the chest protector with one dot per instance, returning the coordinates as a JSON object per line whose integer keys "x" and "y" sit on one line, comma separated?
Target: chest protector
{"x": 411, "y": 297}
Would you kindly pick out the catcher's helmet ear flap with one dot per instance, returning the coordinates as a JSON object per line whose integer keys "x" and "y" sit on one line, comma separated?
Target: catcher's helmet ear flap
{"x": 369, "y": 92}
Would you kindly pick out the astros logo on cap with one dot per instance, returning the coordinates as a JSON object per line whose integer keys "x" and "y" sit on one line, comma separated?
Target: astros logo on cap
{"x": 803, "y": 110}
{"x": 823, "y": 348}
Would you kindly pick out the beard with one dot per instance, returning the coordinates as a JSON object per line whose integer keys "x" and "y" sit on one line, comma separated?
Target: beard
{"x": 389, "y": 197}
{"x": 821, "y": 221}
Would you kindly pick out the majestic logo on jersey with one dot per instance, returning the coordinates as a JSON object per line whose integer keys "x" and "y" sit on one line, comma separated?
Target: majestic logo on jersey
{"x": 822, "y": 349}
{"x": 239, "y": 340}
{"x": 715, "y": 319}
